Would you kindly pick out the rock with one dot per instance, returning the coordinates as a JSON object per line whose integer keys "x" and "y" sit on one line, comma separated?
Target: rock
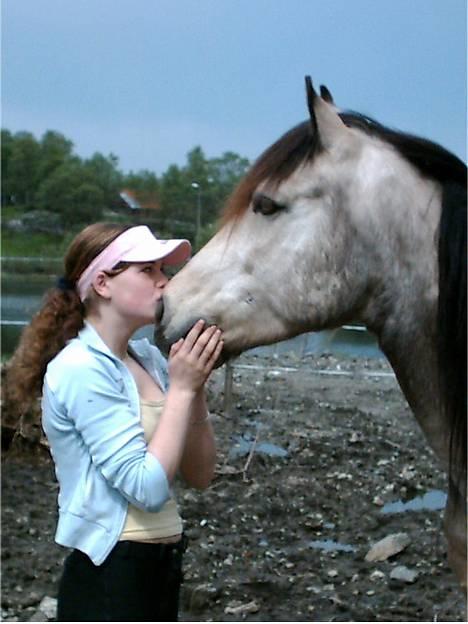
{"x": 47, "y": 610}
{"x": 402, "y": 573}
{"x": 387, "y": 547}
{"x": 248, "y": 607}
{"x": 41, "y": 221}
{"x": 201, "y": 596}
{"x": 408, "y": 473}
{"x": 31, "y": 599}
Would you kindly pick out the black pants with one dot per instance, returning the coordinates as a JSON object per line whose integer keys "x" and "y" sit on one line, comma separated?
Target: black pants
{"x": 136, "y": 583}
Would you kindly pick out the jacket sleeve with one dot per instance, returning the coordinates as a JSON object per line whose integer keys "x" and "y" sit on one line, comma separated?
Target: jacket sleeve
{"x": 114, "y": 437}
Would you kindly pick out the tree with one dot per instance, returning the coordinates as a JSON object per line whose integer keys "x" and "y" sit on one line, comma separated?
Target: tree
{"x": 71, "y": 192}
{"x": 228, "y": 169}
{"x": 47, "y": 175}
{"x": 197, "y": 166}
{"x": 7, "y": 149}
{"x": 225, "y": 173}
{"x": 144, "y": 181}
{"x": 176, "y": 201}
{"x": 102, "y": 172}
{"x": 55, "y": 150}
{"x": 23, "y": 166}
{"x": 87, "y": 202}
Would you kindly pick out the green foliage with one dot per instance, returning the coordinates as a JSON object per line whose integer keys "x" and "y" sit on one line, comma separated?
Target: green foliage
{"x": 36, "y": 245}
{"x": 71, "y": 192}
{"x": 55, "y": 149}
{"x": 102, "y": 172}
{"x": 46, "y": 177}
{"x": 21, "y": 175}
{"x": 145, "y": 183}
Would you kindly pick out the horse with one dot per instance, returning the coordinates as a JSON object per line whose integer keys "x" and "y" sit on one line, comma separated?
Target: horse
{"x": 343, "y": 219}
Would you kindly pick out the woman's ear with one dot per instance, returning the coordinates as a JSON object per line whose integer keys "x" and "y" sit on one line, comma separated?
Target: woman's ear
{"x": 101, "y": 284}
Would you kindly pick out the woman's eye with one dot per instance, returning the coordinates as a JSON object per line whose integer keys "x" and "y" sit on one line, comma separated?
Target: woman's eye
{"x": 265, "y": 205}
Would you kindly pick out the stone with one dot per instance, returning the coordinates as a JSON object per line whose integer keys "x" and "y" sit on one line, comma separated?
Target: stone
{"x": 201, "y": 596}
{"x": 47, "y": 610}
{"x": 31, "y": 599}
{"x": 387, "y": 547}
{"x": 249, "y": 607}
{"x": 402, "y": 573}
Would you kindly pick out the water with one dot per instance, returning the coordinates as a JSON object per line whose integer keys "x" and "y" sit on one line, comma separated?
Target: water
{"x": 431, "y": 501}
{"x": 242, "y": 447}
{"x": 331, "y": 546}
{"x": 21, "y": 298}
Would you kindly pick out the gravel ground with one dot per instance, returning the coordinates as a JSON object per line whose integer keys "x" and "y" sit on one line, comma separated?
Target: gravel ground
{"x": 308, "y": 461}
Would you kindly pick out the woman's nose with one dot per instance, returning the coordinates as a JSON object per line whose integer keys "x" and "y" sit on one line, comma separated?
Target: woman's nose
{"x": 161, "y": 280}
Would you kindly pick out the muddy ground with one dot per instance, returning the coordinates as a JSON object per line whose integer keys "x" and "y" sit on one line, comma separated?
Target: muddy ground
{"x": 306, "y": 463}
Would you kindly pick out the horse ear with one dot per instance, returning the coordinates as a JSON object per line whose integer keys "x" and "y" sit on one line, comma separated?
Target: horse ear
{"x": 311, "y": 98}
{"x": 325, "y": 121}
{"x": 326, "y": 95}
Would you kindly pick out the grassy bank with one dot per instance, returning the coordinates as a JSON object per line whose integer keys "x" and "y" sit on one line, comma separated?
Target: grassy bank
{"x": 34, "y": 244}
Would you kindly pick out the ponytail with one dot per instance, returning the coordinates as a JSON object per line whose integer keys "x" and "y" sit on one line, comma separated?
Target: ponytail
{"x": 59, "y": 320}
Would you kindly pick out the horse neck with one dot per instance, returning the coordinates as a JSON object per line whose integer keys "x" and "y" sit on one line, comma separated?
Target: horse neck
{"x": 402, "y": 312}
{"x": 407, "y": 337}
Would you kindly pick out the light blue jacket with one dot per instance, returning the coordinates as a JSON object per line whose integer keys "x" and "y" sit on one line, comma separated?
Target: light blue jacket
{"x": 91, "y": 416}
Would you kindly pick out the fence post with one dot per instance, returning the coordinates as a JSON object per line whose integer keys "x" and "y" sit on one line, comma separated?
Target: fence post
{"x": 228, "y": 376}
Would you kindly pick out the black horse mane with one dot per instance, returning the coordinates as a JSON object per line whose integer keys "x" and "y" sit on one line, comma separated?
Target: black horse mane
{"x": 432, "y": 160}
{"x": 300, "y": 145}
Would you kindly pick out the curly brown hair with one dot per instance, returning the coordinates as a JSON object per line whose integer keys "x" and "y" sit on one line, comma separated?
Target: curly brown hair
{"x": 59, "y": 319}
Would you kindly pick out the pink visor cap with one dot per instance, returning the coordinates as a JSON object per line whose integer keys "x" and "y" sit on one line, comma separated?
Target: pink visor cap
{"x": 136, "y": 244}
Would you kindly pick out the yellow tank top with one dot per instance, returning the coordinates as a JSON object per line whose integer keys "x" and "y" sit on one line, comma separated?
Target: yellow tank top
{"x": 145, "y": 525}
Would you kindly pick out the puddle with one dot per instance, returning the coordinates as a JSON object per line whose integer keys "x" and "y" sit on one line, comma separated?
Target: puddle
{"x": 243, "y": 447}
{"x": 431, "y": 501}
{"x": 330, "y": 546}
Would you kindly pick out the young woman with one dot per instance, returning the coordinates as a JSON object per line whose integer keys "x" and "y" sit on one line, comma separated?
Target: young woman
{"x": 121, "y": 422}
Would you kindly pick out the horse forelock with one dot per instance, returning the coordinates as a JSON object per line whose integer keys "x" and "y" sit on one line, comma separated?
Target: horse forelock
{"x": 298, "y": 146}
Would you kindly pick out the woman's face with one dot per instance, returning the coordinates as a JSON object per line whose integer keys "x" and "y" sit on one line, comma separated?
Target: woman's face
{"x": 136, "y": 293}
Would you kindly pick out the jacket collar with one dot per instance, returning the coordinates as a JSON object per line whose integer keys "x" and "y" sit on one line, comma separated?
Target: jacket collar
{"x": 92, "y": 339}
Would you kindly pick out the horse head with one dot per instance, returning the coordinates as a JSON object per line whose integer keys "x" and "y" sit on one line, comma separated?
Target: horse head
{"x": 302, "y": 239}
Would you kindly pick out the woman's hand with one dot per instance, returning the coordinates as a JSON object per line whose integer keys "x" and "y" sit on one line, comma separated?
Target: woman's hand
{"x": 191, "y": 359}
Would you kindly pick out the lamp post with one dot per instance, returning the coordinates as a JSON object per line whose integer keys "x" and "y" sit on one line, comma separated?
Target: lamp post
{"x": 197, "y": 187}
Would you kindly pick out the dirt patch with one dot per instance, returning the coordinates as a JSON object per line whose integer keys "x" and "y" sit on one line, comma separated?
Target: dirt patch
{"x": 306, "y": 463}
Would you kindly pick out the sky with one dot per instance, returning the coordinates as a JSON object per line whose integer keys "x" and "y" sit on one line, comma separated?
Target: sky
{"x": 148, "y": 80}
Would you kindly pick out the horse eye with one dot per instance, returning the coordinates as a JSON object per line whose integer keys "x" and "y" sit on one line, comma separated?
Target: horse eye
{"x": 265, "y": 205}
